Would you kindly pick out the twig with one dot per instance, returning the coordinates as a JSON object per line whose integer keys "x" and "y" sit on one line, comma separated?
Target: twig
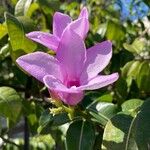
{"x": 10, "y": 142}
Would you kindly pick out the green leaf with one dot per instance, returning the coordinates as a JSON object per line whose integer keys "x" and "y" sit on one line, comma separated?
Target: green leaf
{"x": 22, "y": 7}
{"x": 16, "y": 33}
{"x": 106, "y": 98}
{"x": 140, "y": 129}
{"x": 3, "y": 30}
{"x": 131, "y": 106}
{"x": 147, "y": 2}
{"x": 28, "y": 24}
{"x": 133, "y": 70}
{"x": 136, "y": 47}
{"x": 93, "y": 97}
{"x": 126, "y": 68}
{"x": 130, "y": 71}
{"x": 49, "y": 6}
{"x": 103, "y": 111}
{"x": 114, "y": 31}
{"x": 33, "y": 7}
{"x": 80, "y": 136}
{"x": 4, "y": 52}
{"x": 10, "y": 103}
{"x": 121, "y": 90}
{"x": 99, "y": 118}
{"x": 47, "y": 120}
{"x": 115, "y": 132}
{"x": 143, "y": 76}
{"x": 125, "y": 132}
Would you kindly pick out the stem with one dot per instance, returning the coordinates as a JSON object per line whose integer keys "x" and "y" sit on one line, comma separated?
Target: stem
{"x": 10, "y": 142}
{"x": 26, "y": 134}
{"x": 26, "y": 127}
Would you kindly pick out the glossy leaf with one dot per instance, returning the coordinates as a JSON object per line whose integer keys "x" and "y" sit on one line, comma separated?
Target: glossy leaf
{"x": 78, "y": 134}
{"x": 115, "y": 132}
{"x": 103, "y": 111}
{"x": 132, "y": 106}
{"x": 140, "y": 131}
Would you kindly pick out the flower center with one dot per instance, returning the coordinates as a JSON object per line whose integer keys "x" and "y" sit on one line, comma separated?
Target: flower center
{"x": 73, "y": 83}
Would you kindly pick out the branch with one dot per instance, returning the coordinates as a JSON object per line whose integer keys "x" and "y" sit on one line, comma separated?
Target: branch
{"x": 10, "y": 142}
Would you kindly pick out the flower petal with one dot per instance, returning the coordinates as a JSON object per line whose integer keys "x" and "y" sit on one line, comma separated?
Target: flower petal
{"x": 45, "y": 39}
{"x": 72, "y": 98}
{"x": 71, "y": 54}
{"x": 98, "y": 58}
{"x": 60, "y": 22}
{"x": 59, "y": 91}
{"x": 80, "y": 26}
{"x": 99, "y": 82}
{"x": 39, "y": 64}
{"x": 67, "y": 98}
{"x": 84, "y": 13}
{"x": 55, "y": 84}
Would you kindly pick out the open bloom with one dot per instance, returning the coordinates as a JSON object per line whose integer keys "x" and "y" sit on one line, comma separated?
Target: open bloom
{"x": 60, "y": 22}
{"x": 73, "y": 70}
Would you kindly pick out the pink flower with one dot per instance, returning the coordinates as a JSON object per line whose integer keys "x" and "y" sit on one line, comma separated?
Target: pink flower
{"x": 73, "y": 70}
{"x": 60, "y": 22}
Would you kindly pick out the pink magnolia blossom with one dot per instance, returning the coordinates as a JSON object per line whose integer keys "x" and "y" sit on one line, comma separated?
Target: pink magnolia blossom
{"x": 60, "y": 22}
{"x": 73, "y": 70}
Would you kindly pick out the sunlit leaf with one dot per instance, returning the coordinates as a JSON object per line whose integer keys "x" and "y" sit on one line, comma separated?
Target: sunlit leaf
{"x": 114, "y": 31}
{"x": 139, "y": 130}
{"x": 10, "y": 103}
{"x": 115, "y": 132}
{"x": 133, "y": 70}
{"x": 22, "y": 7}
{"x": 17, "y": 36}
{"x": 136, "y": 47}
{"x": 131, "y": 106}
{"x": 3, "y": 30}
{"x": 4, "y": 52}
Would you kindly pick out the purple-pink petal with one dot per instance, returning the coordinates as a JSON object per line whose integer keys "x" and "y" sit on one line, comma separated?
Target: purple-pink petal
{"x": 80, "y": 27}
{"x": 99, "y": 82}
{"x": 98, "y": 58}
{"x": 71, "y": 98}
{"x": 39, "y": 64}
{"x": 71, "y": 54}
{"x": 84, "y": 13}
{"x": 55, "y": 84}
{"x": 60, "y": 22}
{"x": 45, "y": 39}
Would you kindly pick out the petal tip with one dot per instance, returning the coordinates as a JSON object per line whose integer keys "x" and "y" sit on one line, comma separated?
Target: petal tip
{"x": 108, "y": 42}
{"x": 84, "y": 12}
{"x": 116, "y": 76}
